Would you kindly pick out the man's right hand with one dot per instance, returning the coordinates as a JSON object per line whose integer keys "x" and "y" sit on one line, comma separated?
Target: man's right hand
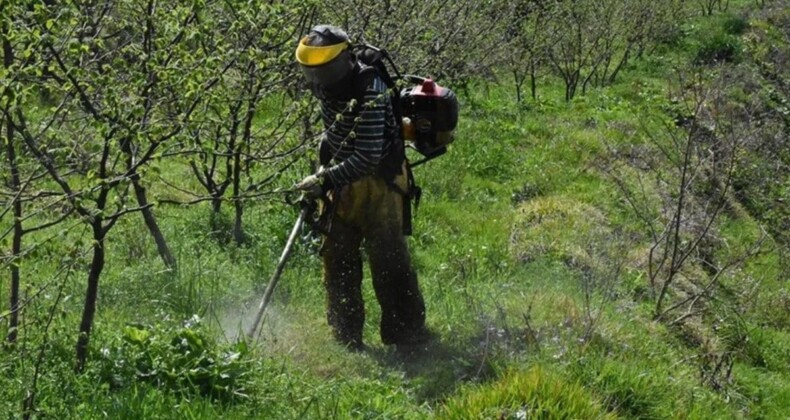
{"x": 311, "y": 185}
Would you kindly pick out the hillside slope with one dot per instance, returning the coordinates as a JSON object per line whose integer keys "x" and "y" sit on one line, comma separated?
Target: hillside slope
{"x": 621, "y": 255}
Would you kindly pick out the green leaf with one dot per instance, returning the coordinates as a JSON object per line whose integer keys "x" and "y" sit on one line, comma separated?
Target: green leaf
{"x": 135, "y": 335}
{"x": 242, "y": 347}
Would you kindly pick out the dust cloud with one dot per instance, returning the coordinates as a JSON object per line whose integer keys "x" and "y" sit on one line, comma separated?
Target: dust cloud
{"x": 234, "y": 323}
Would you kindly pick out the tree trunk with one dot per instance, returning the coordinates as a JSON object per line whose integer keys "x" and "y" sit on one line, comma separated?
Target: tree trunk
{"x": 216, "y": 204}
{"x": 519, "y": 81}
{"x": 238, "y": 230}
{"x": 16, "y": 244}
{"x": 533, "y": 80}
{"x": 569, "y": 88}
{"x": 91, "y": 295}
{"x": 153, "y": 226}
{"x": 673, "y": 236}
{"x": 621, "y": 64}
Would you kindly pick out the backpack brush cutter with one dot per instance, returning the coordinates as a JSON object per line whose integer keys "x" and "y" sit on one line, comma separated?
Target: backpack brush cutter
{"x": 307, "y": 208}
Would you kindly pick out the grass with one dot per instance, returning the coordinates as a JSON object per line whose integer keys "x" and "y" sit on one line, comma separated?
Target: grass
{"x": 515, "y": 243}
{"x": 535, "y": 393}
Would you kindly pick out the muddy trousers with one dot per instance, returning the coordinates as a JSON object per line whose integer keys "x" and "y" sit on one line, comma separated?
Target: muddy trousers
{"x": 370, "y": 212}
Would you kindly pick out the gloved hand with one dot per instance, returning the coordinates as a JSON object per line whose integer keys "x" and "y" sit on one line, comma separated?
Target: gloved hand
{"x": 311, "y": 184}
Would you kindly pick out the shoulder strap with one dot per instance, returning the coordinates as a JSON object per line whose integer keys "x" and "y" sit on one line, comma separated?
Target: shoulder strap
{"x": 371, "y": 65}
{"x": 363, "y": 78}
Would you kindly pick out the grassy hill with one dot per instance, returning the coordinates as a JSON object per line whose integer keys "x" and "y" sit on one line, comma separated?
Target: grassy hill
{"x": 533, "y": 247}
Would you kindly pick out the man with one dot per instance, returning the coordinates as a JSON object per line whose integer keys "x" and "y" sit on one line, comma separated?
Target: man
{"x": 363, "y": 175}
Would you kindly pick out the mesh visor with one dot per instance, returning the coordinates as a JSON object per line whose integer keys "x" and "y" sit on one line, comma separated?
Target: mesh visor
{"x": 329, "y": 73}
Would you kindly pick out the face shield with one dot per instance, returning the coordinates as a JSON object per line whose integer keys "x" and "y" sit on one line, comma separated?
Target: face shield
{"x": 326, "y": 65}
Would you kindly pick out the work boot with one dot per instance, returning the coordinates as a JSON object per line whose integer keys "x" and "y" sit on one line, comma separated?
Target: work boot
{"x": 415, "y": 342}
{"x": 351, "y": 342}
{"x": 355, "y": 346}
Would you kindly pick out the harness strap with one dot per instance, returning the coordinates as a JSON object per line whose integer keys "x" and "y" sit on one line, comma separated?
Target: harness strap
{"x": 390, "y": 165}
{"x": 412, "y": 192}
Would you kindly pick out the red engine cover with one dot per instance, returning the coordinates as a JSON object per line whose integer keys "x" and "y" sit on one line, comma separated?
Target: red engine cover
{"x": 428, "y": 88}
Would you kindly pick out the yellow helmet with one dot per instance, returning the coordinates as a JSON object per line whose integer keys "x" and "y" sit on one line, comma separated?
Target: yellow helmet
{"x": 323, "y": 54}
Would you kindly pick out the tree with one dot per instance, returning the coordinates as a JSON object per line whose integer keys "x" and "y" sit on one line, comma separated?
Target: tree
{"x": 14, "y": 184}
{"x": 453, "y": 42}
{"x": 20, "y": 65}
{"x": 701, "y": 155}
{"x": 122, "y": 95}
{"x": 527, "y": 44}
{"x": 227, "y": 147}
{"x": 584, "y": 36}
{"x": 708, "y": 7}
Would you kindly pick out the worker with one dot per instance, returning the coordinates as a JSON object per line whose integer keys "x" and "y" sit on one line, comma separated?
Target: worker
{"x": 364, "y": 179}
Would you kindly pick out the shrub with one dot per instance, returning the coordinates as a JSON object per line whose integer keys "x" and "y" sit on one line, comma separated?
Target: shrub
{"x": 560, "y": 227}
{"x": 184, "y": 360}
{"x": 735, "y": 25}
{"x": 719, "y": 48}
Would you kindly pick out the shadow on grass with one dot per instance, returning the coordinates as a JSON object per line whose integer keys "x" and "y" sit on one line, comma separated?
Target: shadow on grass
{"x": 438, "y": 368}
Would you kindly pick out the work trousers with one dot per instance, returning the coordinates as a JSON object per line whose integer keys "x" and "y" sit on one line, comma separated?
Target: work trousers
{"x": 370, "y": 211}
